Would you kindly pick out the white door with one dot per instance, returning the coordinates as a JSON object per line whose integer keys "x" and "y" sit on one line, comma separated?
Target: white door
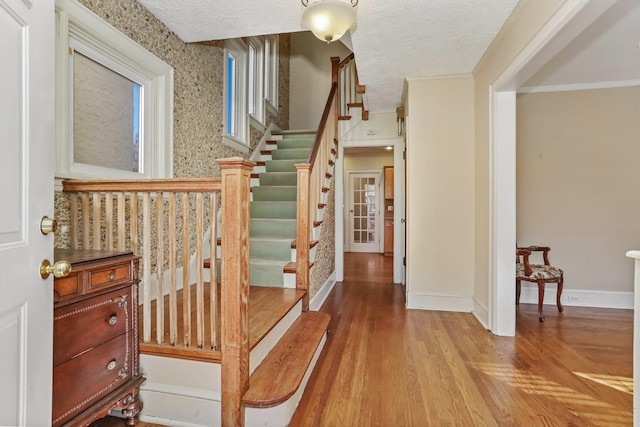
{"x": 364, "y": 212}
{"x": 26, "y": 195}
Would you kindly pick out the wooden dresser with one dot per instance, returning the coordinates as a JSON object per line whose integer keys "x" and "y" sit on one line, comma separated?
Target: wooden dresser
{"x": 95, "y": 344}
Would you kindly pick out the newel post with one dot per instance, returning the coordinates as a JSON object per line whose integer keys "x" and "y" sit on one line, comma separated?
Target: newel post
{"x": 302, "y": 233}
{"x": 234, "y": 287}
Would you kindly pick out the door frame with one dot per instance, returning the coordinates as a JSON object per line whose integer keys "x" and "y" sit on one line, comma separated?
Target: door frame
{"x": 379, "y": 229}
{"x": 568, "y": 21}
{"x": 398, "y": 145}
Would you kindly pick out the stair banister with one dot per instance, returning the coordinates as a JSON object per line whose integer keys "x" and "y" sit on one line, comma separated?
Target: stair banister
{"x": 311, "y": 176}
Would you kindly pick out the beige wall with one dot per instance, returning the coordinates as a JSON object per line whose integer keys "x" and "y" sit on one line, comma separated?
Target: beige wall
{"x": 525, "y": 22}
{"x": 310, "y": 78}
{"x": 578, "y": 181}
{"x": 440, "y": 174}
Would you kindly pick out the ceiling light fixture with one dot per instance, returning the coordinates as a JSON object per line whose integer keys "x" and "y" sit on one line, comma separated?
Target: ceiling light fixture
{"x": 328, "y": 20}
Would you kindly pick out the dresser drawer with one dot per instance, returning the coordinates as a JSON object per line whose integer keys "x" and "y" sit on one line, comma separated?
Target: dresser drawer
{"x": 83, "y": 380}
{"x": 68, "y": 287}
{"x": 89, "y": 323}
{"x": 115, "y": 274}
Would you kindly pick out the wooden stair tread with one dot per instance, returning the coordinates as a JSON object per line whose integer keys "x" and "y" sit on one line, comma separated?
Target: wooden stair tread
{"x": 291, "y": 267}
{"x": 312, "y": 244}
{"x": 280, "y": 374}
{"x": 267, "y": 306}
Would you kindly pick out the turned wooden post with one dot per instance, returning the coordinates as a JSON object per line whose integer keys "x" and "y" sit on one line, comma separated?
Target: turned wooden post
{"x": 234, "y": 275}
{"x": 302, "y": 233}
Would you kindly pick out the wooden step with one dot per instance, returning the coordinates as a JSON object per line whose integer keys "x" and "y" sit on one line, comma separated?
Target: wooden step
{"x": 280, "y": 374}
{"x": 272, "y": 142}
{"x": 291, "y": 267}
{"x": 325, "y": 189}
{"x": 313, "y": 244}
{"x": 344, "y": 117}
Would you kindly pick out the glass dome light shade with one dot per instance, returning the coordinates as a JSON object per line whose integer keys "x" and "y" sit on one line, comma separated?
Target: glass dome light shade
{"x": 328, "y": 20}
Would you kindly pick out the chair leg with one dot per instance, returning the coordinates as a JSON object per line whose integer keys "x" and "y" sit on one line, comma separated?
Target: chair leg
{"x": 560, "y": 286}
{"x": 540, "y": 301}
{"x": 518, "y": 290}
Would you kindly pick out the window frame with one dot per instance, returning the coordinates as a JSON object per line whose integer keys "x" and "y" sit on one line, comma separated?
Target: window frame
{"x": 79, "y": 29}
{"x": 272, "y": 72}
{"x": 235, "y": 102}
{"x": 255, "y": 77}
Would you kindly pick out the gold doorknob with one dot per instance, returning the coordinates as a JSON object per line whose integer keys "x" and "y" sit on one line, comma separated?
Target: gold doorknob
{"x": 59, "y": 269}
{"x": 48, "y": 225}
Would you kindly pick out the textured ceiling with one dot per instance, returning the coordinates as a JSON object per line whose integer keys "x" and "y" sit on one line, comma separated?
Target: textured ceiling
{"x": 394, "y": 39}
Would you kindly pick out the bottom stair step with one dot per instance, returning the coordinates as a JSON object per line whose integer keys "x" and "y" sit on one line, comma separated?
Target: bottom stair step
{"x": 280, "y": 374}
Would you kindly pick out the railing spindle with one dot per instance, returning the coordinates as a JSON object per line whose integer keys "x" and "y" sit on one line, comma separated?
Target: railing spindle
{"x": 213, "y": 273}
{"x": 86, "y": 221}
{"x": 159, "y": 267}
{"x": 97, "y": 219}
{"x": 199, "y": 268}
{"x": 146, "y": 264}
{"x": 173, "y": 292}
{"x": 186, "y": 290}
{"x": 108, "y": 220}
{"x": 133, "y": 209}
{"x": 122, "y": 225}
{"x": 74, "y": 220}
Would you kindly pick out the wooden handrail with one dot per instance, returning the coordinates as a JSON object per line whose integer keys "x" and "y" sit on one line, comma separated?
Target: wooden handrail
{"x": 346, "y": 60}
{"x": 143, "y": 185}
{"x": 323, "y": 124}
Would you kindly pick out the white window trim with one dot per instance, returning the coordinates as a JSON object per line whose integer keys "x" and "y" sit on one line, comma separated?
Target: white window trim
{"x": 79, "y": 28}
{"x": 256, "y": 98}
{"x": 239, "y": 141}
{"x": 271, "y": 92}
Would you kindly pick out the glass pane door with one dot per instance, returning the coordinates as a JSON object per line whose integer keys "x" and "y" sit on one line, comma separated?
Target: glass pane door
{"x": 364, "y": 212}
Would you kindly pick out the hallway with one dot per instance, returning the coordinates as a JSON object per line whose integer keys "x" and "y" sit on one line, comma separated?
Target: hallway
{"x": 384, "y": 365}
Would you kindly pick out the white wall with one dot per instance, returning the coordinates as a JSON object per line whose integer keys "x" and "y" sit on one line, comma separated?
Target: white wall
{"x": 440, "y": 184}
{"x": 381, "y": 125}
{"x": 310, "y": 78}
{"x": 578, "y": 180}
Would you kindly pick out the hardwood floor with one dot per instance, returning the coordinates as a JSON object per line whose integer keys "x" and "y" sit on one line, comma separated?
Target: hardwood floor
{"x": 384, "y": 365}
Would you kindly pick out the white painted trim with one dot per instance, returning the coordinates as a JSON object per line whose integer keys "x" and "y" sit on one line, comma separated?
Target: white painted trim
{"x": 635, "y": 254}
{"x": 79, "y": 29}
{"x": 580, "y": 86}
{"x": 196, "y": 393}
{"x": 569, "y": 20}
{"x": 166, "y": 421}
{"x": 481, "y": 313}
{"x": 323, "y": 293}
{"x": 578, "y": 297}
{"x": 398, "y": 145}
{"x": 439, "y": 302}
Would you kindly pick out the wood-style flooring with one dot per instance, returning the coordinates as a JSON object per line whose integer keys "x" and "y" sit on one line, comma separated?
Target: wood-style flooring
{"x": 384, "y": 365}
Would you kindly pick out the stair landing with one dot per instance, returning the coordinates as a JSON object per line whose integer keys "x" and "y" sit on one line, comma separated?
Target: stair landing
{"x": 267, "y": 306}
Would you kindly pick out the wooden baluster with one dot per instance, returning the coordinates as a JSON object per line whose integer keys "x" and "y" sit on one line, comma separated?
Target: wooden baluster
{"x": 186, "y": 289}
{"x": 213, "y": 280}
{"x": 86, "y": 222}
{"x": 97, "y": 219}
{"x": 122, "y": 222}
{"x": 108, "y": 220}
{"x": 159, "y": 268}
{"x": 199, "y": 268}
{"x": 173, "y": 293}
{"x": 133, "y": 219}
{"x": 146, "y": 264}
{"x": 236, "y": 176}
{"x": 75, "y": 223}
{"x": 302, "y": 233}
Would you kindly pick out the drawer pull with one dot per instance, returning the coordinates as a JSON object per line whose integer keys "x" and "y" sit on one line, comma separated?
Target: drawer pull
{"x": 112, "y": 365}
{"x": 112, "y": 276}
{"x": 113, "y": 320}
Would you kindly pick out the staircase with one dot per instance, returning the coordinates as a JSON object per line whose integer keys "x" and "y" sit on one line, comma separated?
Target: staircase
{"x": 273, "y": 209}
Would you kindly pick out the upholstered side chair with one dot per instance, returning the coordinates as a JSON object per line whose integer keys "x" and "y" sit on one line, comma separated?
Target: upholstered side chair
{"x": 538, "y": 273}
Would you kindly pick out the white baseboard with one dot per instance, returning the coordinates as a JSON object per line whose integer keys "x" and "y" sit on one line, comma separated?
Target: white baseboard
{"x": 321, "y": 296}
{"x": 481, "y": 313}
{"x": 578, "y": 297}
{"x": 439, "y": 302}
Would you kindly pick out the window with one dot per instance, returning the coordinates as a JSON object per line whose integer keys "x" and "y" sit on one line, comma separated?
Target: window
{"x": 114, "y": 101}
{"x": 256, "y": 82}
{"x": 236, "y": 132}
{"x": 250, "y": 87}
{"x": 271, "y": 72}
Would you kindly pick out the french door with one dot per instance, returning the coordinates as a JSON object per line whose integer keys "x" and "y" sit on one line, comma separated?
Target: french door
{"x": 364, "y": 212}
